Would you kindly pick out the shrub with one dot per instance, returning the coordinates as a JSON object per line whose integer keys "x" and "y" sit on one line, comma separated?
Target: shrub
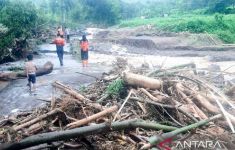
{"x": 226, "y": 36}
{"x": 20, "y": 18}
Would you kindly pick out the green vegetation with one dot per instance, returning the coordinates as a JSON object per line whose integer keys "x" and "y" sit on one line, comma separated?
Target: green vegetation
{"x": 195, "y": 16}
{"x": 116, "y": 87}
{"x": 20, "y": 19}
{"x": 73, "y": 13}
{"x": 221, "y": 25}
{"x": 17, "y": 20}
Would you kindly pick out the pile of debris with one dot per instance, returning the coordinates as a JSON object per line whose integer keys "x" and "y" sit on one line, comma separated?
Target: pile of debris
{"x": 127, "y": 110}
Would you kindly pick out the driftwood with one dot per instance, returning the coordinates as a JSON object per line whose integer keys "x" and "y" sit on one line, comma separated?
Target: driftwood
{"x": 150, "y": 95}
{"x": 141, "y": 81}
{"x": 193, "y": 107}
{"x": 33, "y": 129}
{"x": 40, "y": 118}
{"x": 78, "y": 97}
{"x": 92, "y": 118}
{"x": 189, "y": 65}
{"x": 83, "y": 131}
{"x": 181, "y": 108}
{"x": 227, "y": 116}
{"x": 156, "y": 139}
{"x": 45, "y": 69}
{"x": 123, "y": 104}
{"x": 70, "y": 91}
{"x": 183, "y": 103}
{"x": 198, "y": 99}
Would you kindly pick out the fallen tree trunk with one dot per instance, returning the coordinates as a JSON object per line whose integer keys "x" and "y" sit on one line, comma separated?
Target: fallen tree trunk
{"x": 92, "y": 118}
{"x": 45, "y": 69}
{"x": 83, "y": 131}
{"x": 142, "y": 81}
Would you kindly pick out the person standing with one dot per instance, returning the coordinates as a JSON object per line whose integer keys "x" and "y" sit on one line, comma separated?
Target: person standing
{"x": 60, "y": 30}
{"x": 30, "y": 69}
{"x": 59, "y": 42}
{"x": 67, "y": 34}
{"x": 84, "y": 50}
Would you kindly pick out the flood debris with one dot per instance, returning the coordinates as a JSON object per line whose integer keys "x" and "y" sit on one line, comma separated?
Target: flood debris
{"x": 127, "y": 109}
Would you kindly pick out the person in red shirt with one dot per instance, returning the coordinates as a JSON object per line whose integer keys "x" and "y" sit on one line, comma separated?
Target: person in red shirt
{"x": 84, "y": 50}
{"x": 59, "y": 42}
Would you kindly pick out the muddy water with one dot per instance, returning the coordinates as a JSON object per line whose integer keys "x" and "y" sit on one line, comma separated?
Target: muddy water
{"x": 16, "y": 97}
{"x": 154, "y": 60}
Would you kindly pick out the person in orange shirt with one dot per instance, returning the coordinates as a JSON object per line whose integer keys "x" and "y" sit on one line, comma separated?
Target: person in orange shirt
{"x": 84, "y": 50}
{"x": 59, "y": 42}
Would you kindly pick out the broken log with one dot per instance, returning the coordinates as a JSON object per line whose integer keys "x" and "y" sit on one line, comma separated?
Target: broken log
{"x": 198, "y": 99}
{"x": 87, "y": 120}
{"x": 179, "y": 107}
{"x": 35, "y": 128}
{"x": 141, "y": 81}
{"x": 45, "y": 69}
{"x": 40, "y": 118}
{"x": 70, "y": 91}
{"x": 84, "y": 131}
{"x": 150, "y": 95}
{"x": 194, "y": 108}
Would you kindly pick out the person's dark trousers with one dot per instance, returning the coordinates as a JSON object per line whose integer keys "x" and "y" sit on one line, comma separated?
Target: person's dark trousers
{"x": 68, "y": 38}
{"x": 60, "y": 53}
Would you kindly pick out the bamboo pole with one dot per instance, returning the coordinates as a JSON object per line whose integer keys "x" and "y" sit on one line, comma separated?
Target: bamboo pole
{"x": 127, "y": 98}
{"x": 92, "y": 118}
{"x": 156, "y": 139}
{"x": 84, "y": 131}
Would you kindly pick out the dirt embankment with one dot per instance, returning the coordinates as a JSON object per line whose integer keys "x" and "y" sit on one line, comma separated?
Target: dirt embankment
{"x": 154, "y": 42}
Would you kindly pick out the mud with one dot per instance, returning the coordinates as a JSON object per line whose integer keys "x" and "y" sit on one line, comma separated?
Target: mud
{"x": 154, "y": 42}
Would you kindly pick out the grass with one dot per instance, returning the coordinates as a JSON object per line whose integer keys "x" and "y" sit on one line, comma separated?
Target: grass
{"x": 221, "y": 25}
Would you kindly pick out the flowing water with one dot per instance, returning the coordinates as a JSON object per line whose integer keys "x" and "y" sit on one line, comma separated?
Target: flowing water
{"x": 16, "y": 97}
